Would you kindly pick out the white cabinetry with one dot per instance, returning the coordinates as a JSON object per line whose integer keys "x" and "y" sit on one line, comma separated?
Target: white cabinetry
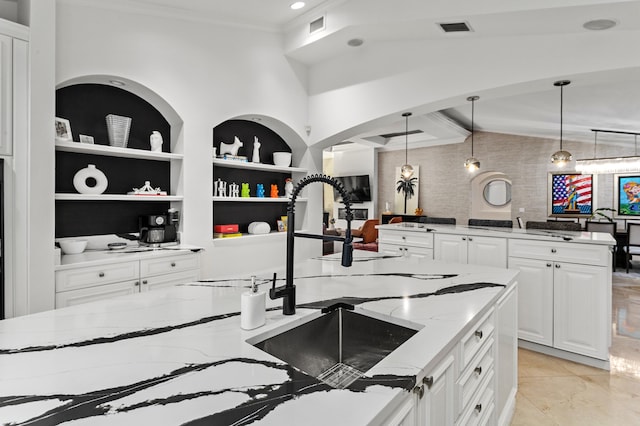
{"x": 435, "y": 402}
{"x": 13, "y": 81}
{"x": 89, "y": 283}
{"x": 418, "y": 245}
{"x": 473, "y": 249}
{"x": 565, "y": 295}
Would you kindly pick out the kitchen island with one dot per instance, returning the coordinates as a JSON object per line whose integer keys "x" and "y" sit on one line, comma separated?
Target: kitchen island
{"x": 178, "y": 355}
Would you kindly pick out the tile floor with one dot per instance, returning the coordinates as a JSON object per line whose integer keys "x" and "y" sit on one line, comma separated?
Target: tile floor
{"x": 552, "y": 391}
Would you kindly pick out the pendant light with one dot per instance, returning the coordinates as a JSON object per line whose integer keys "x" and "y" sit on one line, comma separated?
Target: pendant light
{"x": 561, "y": 158}
{"x": 610, "y": 165}
{"x": 407, "y": 169}
{"x": 472, "y": 164}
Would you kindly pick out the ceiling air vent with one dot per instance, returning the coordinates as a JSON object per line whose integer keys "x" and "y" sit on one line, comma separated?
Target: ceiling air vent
{"x": 316, "y": 25}
{"x": 455, "y": 27}
{"x": 393, "y": 135}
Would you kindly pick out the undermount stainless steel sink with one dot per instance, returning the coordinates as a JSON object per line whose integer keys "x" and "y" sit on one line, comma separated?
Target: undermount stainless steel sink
{"x": 336, "y": 347}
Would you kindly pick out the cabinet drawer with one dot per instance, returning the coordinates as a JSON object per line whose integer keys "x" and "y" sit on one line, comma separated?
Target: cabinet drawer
{"x": 91, "y": 294}
{"x": 560, "y": 252}
{"x": 407, "y": 251}
{"x": 480, "y": 410}
{"x": 475, "y": 338}
{"x": 478, "y": 369}
{"x": 71, "y": 279}
{"x": 168, "y": 280}
{"x": 415, "y": 239}
{"x": 164, "y": 265}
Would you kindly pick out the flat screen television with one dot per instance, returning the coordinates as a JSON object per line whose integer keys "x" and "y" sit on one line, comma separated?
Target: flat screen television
{"x": 356, "y": 186}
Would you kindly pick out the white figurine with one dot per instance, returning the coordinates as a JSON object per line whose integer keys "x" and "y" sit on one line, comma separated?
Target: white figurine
{"x": 234, "y": 190}
{"x": 288, "y": 187}
{"x": 256, "y": 150}
{"x": 156, "y": 141}
{"x": 219, "y": 188}
{"x": 227, "y": 148}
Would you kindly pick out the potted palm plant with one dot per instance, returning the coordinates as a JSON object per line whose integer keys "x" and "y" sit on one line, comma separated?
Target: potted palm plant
{"x": 407, "y": 187}
{"x": 600, "y": 214}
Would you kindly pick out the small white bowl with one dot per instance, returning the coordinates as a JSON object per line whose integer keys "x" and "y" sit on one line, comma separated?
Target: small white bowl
{"x": 282, "y": 159}
{"x": 73, "y": 246}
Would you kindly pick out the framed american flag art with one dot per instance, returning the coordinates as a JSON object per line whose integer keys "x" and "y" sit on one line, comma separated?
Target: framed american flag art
{"x": 626, "y": 195}
{"x": 571, "y": 195}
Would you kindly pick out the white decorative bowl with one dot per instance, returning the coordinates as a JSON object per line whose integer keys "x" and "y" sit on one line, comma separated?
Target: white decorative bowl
{"x": 73, "y": 246}
{"x": 282, "y": 159}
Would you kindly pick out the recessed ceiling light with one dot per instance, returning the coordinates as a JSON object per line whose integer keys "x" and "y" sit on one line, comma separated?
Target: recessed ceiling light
{"x": 297, "y": 5}
{"x": 355, "y": 42}
{"x": 600, "y": 24}
{"x": 117, "y": 82}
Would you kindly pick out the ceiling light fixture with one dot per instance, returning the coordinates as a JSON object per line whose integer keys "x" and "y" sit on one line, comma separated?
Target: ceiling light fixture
{"x": 561, "y": 158}
{"x": 472, "y": 164}
{"x": 297, "y": 5}
{"x": 407, "y": 169}
{"x": 610, "y": 165}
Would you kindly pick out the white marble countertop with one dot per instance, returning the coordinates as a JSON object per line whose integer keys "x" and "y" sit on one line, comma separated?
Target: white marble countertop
{"x": 178, "y": 355}
{"x": 582, "y": 237}
{"x": 132, "y": 252}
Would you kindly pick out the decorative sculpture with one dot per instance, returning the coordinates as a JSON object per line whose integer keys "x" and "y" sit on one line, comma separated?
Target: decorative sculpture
{"x": 155, "y": 140}
{"x": 219, "y": 188}
{"x": 256, "y": 150}
{"x": 274, "y": 191}
{"x": 234, "y": 190}
{"x": 288, "y": 187}
{"x": 260, "y": 190}
{"x": 227, "y": 148}
{"x": 245, "y": 190}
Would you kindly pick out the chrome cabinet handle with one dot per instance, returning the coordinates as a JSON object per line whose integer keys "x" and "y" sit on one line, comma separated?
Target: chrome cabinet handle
{"x": 478, "y": 334}
{"x": 470, "y": 239}
{"x": 478, "y": 370}
{"x": 479, "y": 408}
{"x": 101, "y": 274}
{"x": 548, "y": 265}
{"x": 553, "y": 250}
{"x": 419, "y": 390}
{"x": 137, "y": 283}
{"x": 428, "y": 381}
{"x": 557, "y": 266}
{"x": 145, "y": 282}
{"x": 173, "y": 264}
{"x": 464, "y": 238}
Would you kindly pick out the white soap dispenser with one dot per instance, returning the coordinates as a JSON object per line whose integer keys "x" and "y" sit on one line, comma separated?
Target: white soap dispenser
{"x": 252, "y": 307}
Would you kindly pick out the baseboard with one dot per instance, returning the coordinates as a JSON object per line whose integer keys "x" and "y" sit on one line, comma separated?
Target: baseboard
{"x": 509, "y": 409}
{"x": 570, "y": 356}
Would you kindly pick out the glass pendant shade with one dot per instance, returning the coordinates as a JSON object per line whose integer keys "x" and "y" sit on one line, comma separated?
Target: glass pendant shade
{"x": 472, "y": 164}
{"x": 407, "y": 170}
{"x": 561, "y": 158}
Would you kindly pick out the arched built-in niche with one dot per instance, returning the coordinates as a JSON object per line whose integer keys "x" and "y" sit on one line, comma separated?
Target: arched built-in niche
{"x": 491, "y": 196}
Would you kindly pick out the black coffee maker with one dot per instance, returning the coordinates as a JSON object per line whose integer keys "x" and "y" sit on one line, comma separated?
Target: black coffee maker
{"x": 157, "y": 229}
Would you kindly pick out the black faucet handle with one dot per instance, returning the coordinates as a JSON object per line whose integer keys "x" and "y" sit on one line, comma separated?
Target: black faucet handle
{"x": 272, "y": 291}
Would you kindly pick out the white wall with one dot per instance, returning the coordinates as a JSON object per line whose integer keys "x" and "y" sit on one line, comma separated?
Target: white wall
{"x": 208, "y": 73}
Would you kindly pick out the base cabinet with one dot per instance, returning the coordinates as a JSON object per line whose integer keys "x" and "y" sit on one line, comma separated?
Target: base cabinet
{"x": 87, "y": 284}
{"x": 435, "y": 396}
{"x": 564, "y": 296}
{"x": 416, "y": 245}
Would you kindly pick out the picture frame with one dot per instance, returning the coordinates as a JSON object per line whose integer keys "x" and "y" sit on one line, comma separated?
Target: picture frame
{"x": 571, "y": 195}
{"x": 63, "y": 129}
{"x": 626, "y": 195}
{"x": 86, "y": 139}
{"x": 281, "y": 226}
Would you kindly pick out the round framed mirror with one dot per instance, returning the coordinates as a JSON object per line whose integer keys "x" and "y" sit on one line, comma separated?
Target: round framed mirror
{"x": 497, "y": 192}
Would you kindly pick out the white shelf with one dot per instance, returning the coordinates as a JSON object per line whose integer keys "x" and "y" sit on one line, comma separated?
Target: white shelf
{"x": 256, "y": 237}
{"x": 116, "y": 197}
{"x": 110, "y": 151}
{"x": 257, "y": 199}
{"x": 234, "y": 164}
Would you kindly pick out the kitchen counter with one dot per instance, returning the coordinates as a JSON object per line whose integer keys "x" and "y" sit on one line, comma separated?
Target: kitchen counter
{"x": 599, "y": 238}
{"x": 178, "y": 355}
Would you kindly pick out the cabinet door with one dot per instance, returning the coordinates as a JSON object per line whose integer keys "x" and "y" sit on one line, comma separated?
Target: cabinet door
{"x": 582, "y": 299}
{"x": 506, "y": 354}
{"x": 165, "y": 265}
{"x": 535, "y": 299}
{"x": 436, "y": 405}
{"x": 91, "y": 294}
{"x": 450, "y": 248}
{"x": 404, "y": 415}
{"x": 6, "y": 97}
{"x": 487, "y": 251}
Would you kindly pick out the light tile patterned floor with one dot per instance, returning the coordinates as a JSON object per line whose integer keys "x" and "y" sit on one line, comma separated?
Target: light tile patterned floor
{"x": 552, "y": 391}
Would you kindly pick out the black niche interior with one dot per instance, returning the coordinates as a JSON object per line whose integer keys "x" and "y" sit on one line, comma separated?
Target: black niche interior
{"x": 86, "y": 106}
{"x": 244, "y": 213}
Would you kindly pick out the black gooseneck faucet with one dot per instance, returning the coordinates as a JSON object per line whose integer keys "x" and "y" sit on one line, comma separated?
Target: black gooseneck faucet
{"x": 288, "y": 291}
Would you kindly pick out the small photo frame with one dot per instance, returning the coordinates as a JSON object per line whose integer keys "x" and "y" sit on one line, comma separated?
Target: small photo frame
{"x": 86, "y": 139}
{"x": 63, "y": 130}
{"x": 626, "y": 195}
{"x": 571, "y": 195}
{"x": 281, "y": 226}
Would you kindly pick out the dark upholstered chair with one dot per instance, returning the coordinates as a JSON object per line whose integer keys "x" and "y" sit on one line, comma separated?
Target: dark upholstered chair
{"x": 491, "y": 222}
{"x": 439, "y": 220}
{"x": 633, "y": 242}
{"x": 396, "y": 219}
{"x": 369, "y": 235}
{"x": 555, "y": 225}
{"x": 607, "y": 227}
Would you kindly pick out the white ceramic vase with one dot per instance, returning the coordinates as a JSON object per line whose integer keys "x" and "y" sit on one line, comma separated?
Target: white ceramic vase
{"x": 90, "y": 172}
{"x": 155, "y": 141}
